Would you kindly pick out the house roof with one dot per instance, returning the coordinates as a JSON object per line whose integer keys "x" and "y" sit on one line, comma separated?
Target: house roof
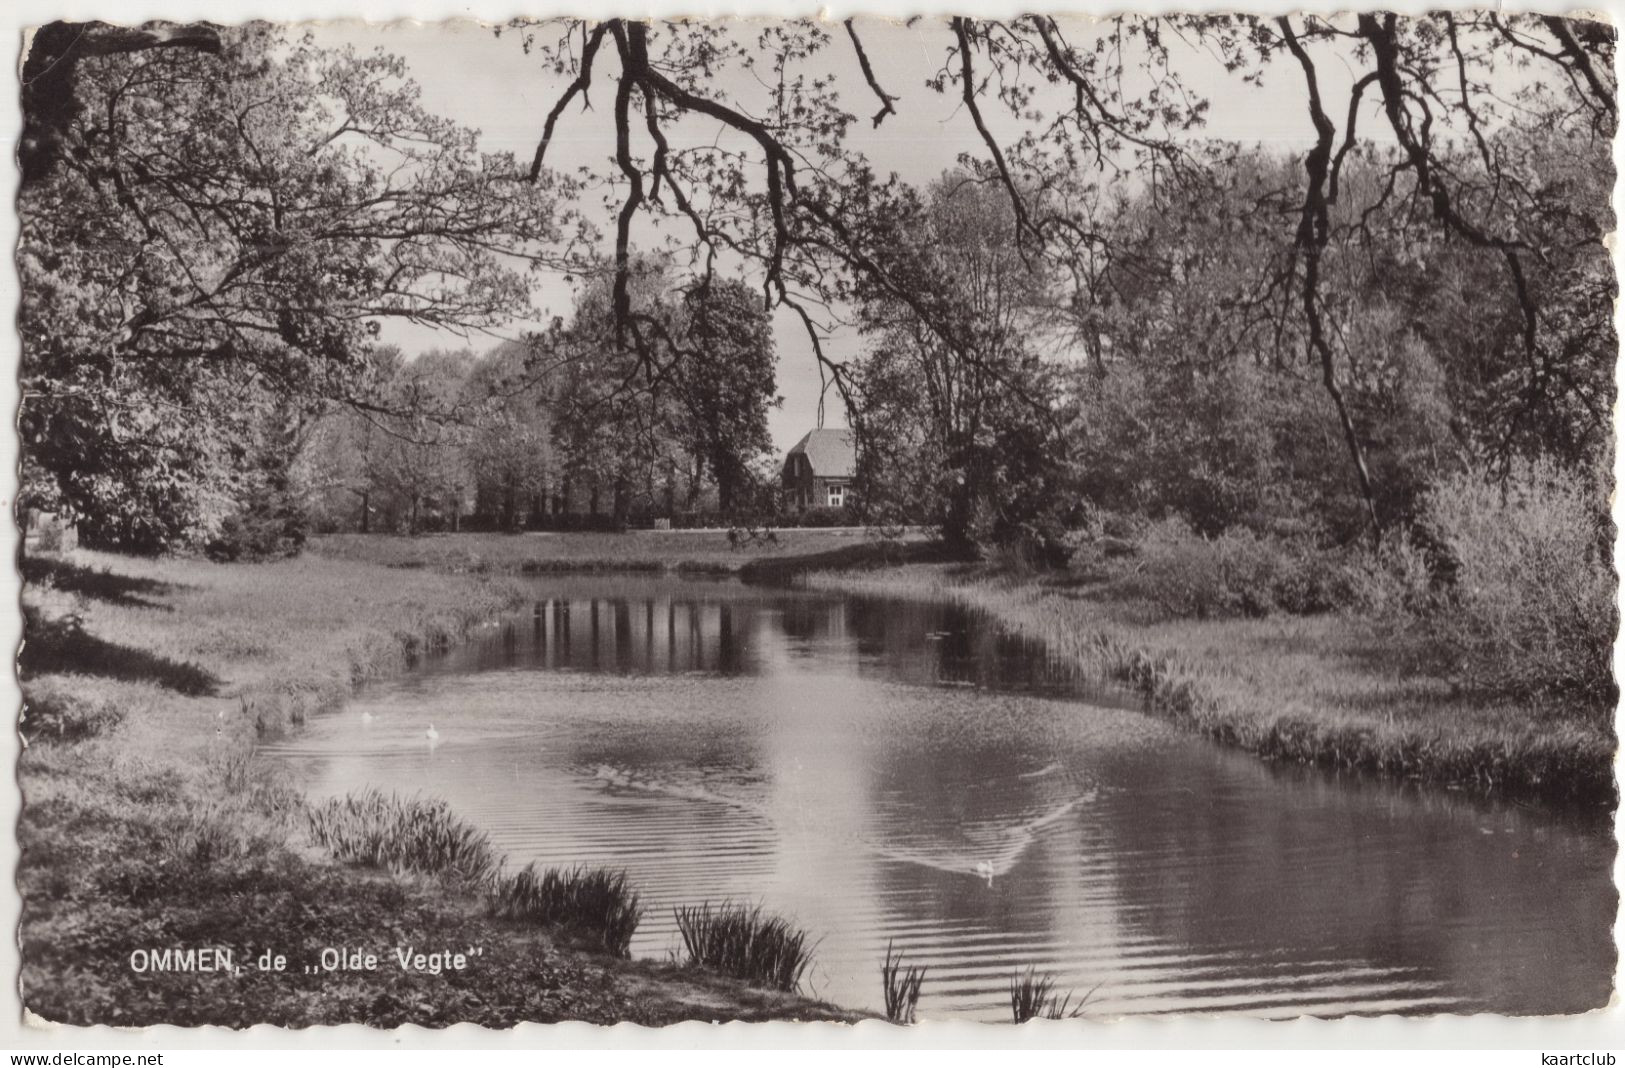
{"x": 832, "y": 453}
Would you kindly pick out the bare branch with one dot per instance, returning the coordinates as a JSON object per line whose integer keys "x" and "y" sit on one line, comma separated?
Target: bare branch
{"x": 886, "y": 99}
{"x": 1313, "y": 235}
{"x": 582, "y": 82}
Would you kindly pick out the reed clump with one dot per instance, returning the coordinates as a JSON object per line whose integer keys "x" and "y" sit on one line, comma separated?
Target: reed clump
{"x": 205, "y": 837}
{"x": 415, "y": 836}
{"x": 1033, "y": 996}
{"x": 595, "y": 900}
{"x": 902, "y": 986}
{"x": 746, "y": 943}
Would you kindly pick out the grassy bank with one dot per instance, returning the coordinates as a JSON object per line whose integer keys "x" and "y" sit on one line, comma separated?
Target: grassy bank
{"x": 1314, "y": 689}
{"x": 147, "y": 825}
{"x": 684, "y": 551}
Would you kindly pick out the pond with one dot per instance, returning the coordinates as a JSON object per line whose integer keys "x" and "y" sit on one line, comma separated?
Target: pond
{"x": 894, "y": 772}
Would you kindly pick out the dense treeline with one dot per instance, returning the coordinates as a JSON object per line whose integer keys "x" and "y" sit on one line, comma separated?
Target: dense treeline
{"x": 544, "y": 434}
{"x": 1168, "y": 376}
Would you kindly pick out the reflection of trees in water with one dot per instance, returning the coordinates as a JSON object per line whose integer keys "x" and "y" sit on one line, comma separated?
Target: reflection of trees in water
{"x": 624, "y": 636}
{"x": 931, "y": 643}
{"x": 1296, "y": 870}
{"x": 917, "y": 643}
{"x": 670, "y": 633}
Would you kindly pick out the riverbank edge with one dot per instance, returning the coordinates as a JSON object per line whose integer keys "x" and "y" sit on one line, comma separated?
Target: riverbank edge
{"x": 698, "y": 554}
{"x": 1566, "y": 767}
{"x": 667, "y": 993}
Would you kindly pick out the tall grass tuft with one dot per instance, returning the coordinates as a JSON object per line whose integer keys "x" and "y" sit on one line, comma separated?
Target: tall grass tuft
{"x": 58, "y": 710}
{"x": 746, "y": 943}
{"x": 597, "y": 900}
{"x": 205, "y": 837}
{"x": 411, "y": 835}
{"x": 1033, "y": 996}
{"x": 902, "y": 986}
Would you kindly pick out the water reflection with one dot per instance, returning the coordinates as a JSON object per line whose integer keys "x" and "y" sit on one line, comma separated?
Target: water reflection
{"x": 865, "y": 766}
{"x": 724, "y": 633}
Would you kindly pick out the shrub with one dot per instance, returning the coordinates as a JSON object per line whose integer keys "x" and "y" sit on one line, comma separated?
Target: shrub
{"x": 787, "y": 519}
{"x": 404, "y": 836}
{"x": 745, "y": 943}
{"x": 1235, "y": 573}
{"x": 270, "y": 521}
{"x": 596, "y": 900}
{"x": 1531, "y": 608}
{"x": 818, "y": 517}
{"x": 576, "y": 523}
{"x": 254, "y": 537}
{"x": 1397, "y": 585}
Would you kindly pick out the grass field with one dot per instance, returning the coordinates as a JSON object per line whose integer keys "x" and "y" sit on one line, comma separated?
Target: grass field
{"x": 1315, "y": 689}
{"x": 698, "y": 551}
{"x": 148, "y": 825}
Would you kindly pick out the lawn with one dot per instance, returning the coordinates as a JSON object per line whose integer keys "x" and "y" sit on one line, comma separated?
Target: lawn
{"x": 148, "y": 825}
{"x": 696, "y": 551}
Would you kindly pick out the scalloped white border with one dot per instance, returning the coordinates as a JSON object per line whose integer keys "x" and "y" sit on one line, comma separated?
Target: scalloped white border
{"x": 1601, "y": 1030}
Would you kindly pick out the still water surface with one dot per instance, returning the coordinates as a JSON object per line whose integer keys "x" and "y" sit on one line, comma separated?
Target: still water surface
{"x": 886, "y": 771}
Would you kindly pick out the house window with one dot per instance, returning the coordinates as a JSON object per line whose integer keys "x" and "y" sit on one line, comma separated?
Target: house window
{"x": 837, "y": 496}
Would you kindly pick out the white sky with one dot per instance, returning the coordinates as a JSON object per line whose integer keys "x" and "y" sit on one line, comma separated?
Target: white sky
{"x": 469, "y": 74}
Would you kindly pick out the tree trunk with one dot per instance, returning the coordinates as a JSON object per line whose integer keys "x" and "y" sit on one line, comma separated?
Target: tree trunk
{"x": 1314, "y": 233}
{"x": 50, "y": 71}
{"x": 622, "y": 501}
{"x": 725, "y": 491}
{"x": 693, "y": 494}
{"x": 366, "y": 512}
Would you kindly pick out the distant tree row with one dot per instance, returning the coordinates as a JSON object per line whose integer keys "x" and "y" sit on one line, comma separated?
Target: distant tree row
{"x": 547, "y": 432}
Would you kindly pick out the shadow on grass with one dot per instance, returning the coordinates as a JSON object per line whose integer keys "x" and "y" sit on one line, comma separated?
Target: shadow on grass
{"x": 127, "y": 590}
{"x": 63, "y": 646}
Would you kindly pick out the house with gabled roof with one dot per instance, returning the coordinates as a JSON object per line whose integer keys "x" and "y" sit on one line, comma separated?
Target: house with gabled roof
{"x": 819, "y": 469}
